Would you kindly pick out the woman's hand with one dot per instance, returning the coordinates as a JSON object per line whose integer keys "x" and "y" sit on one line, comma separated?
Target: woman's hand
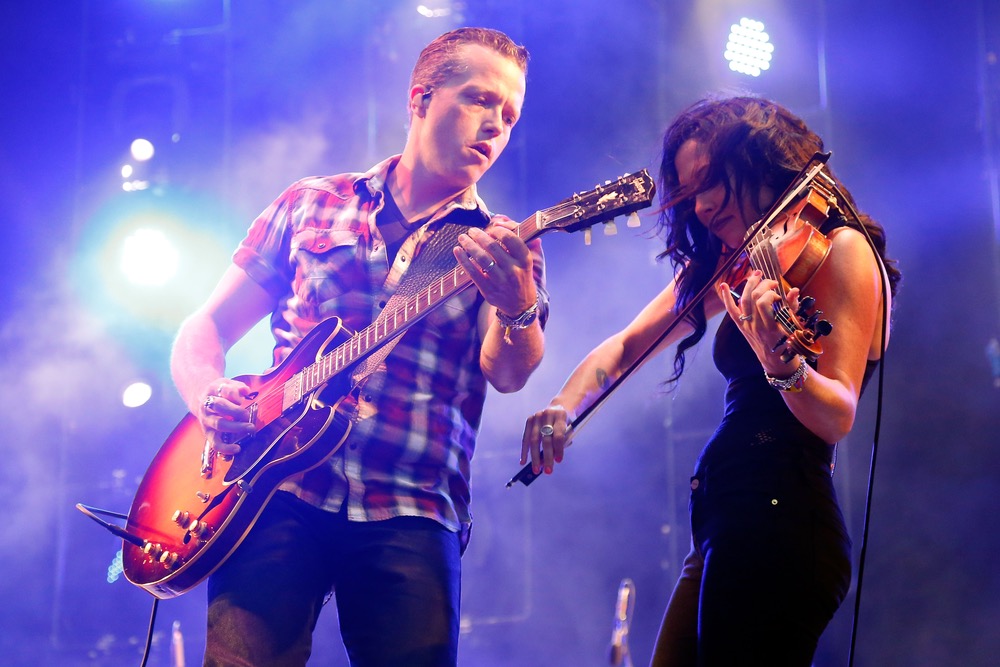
{"x": 546, "y": 436}
{"x": 754, "y": 314}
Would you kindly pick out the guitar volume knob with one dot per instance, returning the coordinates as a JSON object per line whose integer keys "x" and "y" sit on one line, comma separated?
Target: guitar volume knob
{"x": 199, "y": 529}
{"x": 169, "y": 559}
{"x": 181, "y": 518}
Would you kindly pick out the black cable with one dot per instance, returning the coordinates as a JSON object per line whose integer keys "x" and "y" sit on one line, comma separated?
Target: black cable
{"x": 93, "y": 513}
{"x": 878, "y": 421}
{"x": 149, "y": 631}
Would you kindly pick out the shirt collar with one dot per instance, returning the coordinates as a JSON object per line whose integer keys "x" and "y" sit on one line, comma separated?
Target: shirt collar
{"x": 372, "y": 184}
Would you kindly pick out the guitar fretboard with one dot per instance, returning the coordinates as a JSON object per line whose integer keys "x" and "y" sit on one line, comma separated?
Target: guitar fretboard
{"x": 627, "y": 194}
{"x": 388, "y": 325}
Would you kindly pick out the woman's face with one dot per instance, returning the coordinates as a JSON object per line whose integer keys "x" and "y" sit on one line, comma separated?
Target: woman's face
{"x": 726, "y": 220}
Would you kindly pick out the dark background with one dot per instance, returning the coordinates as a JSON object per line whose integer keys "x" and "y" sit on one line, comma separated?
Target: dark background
{"x": 242, "y": 99}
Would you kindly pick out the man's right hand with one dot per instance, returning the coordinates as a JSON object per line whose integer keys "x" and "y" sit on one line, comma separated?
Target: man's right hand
{"x": 222, "y": 417}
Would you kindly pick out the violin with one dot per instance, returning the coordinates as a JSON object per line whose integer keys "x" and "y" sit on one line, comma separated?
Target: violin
{"x": 790, "y": 250}
{"x": 786, "y": 246}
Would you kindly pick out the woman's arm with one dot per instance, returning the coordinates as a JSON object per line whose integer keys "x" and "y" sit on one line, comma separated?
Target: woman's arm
{"x": 602, "y": 366}
{"x": 847, "y": 289}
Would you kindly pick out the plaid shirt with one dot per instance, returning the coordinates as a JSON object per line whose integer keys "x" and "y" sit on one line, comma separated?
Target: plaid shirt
{"x": 414, "y": 420}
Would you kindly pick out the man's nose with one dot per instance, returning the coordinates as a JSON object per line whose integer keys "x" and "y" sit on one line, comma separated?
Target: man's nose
{"x": 493, "y": 123}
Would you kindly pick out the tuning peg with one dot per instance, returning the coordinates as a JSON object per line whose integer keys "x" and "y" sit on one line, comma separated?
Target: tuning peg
{"x": 610, "y": 229}
{"x": 588, "y": 236}
{"x": 632, "y": 220}
{"x": 805, "y": 305}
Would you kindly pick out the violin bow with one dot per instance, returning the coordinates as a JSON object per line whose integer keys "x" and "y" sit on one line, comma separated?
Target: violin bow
{"x": 809, "y": 172}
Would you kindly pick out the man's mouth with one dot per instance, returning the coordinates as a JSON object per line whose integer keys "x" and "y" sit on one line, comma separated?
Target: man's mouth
{"x": 484, "y": 148}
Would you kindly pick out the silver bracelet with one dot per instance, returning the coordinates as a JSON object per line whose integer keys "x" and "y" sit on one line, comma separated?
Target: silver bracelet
{"x": 522, "y": 321}
{"x": 792, "y": 383}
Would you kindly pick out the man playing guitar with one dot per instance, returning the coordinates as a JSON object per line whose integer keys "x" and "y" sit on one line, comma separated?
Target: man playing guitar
{"x": 382, "y": 522}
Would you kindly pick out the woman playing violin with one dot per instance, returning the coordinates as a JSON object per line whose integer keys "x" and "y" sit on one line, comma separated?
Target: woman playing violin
{"x": 770, "y": 558}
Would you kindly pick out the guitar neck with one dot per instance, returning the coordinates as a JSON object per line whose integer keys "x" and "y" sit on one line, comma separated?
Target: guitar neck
{"x": 390, "y": 324}
{"x": 629, "y": 193}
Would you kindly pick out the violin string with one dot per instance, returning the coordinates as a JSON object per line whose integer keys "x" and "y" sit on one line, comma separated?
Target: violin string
{"x": 768, "y": 263}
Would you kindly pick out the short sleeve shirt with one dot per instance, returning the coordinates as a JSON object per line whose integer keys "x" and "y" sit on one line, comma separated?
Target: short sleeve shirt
{"x": 412, "y": 424}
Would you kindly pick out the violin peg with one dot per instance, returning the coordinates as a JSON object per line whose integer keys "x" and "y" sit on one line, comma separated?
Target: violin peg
{"x": 588, "y": 236}
{"x": 632, "y": 220}
{"x": 805, "y": 305}
{"x": 610, "y": 229}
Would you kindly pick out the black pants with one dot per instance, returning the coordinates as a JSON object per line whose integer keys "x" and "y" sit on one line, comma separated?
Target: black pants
{"x": 768, "y": 568}
{"x": 396, "y": 583}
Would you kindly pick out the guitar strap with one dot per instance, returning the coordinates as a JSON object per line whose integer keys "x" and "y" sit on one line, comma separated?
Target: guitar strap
{"x": 433, "y": 261}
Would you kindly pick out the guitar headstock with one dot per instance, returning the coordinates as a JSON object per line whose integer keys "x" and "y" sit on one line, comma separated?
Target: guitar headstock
{"x": 622, "y": 196}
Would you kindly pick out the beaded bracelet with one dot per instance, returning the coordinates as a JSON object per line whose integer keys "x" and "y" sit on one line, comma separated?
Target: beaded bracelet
{"x": 792, "y": 383}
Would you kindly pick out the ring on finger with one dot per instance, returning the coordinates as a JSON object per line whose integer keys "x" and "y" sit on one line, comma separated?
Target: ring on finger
{"x": 209, "y": 403}
{"x": 546, "y": 430}
{"x": 489, "y": 267}
{"x": 746, "y": 318}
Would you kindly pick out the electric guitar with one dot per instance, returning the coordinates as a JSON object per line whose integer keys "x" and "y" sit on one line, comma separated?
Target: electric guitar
{"x": 193, "y": 507}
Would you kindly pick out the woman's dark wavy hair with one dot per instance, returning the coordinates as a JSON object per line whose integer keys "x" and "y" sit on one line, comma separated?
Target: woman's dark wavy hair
{"x": 751, "y": 143}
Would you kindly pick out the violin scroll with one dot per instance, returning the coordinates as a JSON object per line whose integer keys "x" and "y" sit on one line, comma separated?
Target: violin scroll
{"x": 803, "y": 329}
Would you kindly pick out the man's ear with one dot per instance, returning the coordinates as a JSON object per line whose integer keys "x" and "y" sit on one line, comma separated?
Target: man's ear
{"x": 420, "y": 97}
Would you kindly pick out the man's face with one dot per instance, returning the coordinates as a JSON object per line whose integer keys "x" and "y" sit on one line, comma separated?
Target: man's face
{"x": 465, "y": 123}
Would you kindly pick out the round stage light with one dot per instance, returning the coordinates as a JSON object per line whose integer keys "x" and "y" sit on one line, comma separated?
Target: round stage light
{"x": 136, "y": 394}
{"x": 148, "y": 257}
{"x": 749, "y": 49}
{"x": 142, "y": 149}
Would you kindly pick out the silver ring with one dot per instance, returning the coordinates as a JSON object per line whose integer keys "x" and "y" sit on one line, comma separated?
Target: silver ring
{"x": 218, "y": 392}
{"x": 209, "y": 402}
{"x": 546, "y": 430}
{"x": 746, "y": 318}
{"x": 489, "y": 267}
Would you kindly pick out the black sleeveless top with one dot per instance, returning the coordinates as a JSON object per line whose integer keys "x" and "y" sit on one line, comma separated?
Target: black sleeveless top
{"x": 760, "y": 452}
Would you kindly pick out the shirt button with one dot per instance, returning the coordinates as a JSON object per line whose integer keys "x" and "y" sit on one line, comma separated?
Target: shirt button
{"x": 321, "y": 245}
{"x": 774, "y": 501}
